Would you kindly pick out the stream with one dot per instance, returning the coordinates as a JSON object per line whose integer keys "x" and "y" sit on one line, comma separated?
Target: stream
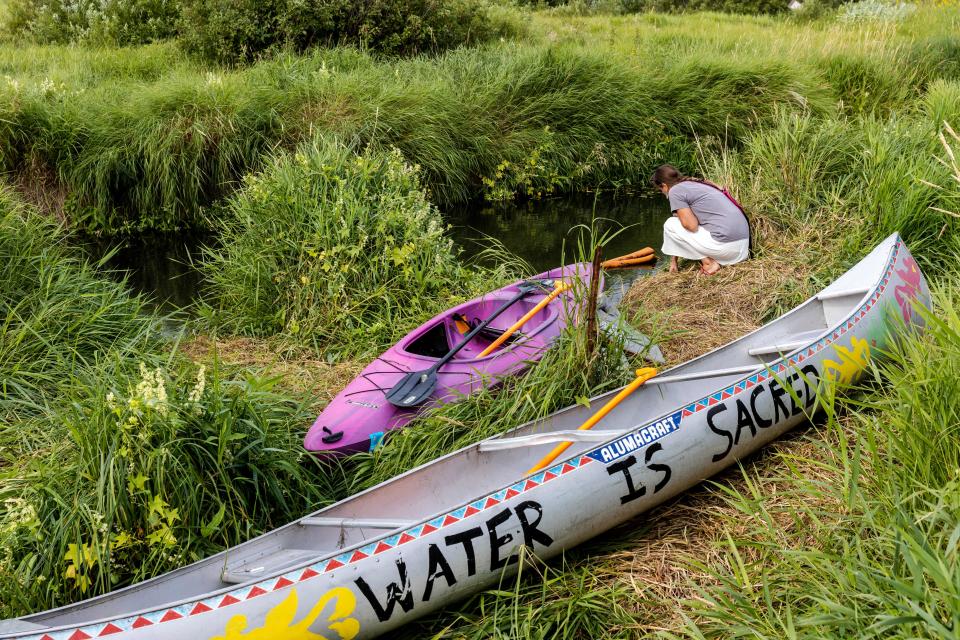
{"x": 542, "y": 233}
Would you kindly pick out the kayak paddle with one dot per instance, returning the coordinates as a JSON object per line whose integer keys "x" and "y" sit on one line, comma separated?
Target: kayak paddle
{"x": 415, "y": 387}
{"x": 559, "y": 287}
{"x": 643, "y": 375}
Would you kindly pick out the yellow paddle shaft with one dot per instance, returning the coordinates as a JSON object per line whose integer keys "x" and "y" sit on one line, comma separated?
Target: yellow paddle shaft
{"x": 559, "y": 287}
{"x": 643, "y": 375}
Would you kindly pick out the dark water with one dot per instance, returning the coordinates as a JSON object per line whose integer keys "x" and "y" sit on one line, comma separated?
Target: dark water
{"x": 161, "y": 266}
{"x": 543, "y": 233}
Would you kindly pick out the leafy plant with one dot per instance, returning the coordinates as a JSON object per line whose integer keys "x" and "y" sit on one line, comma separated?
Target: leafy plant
{"x": 336, "y": 250}
{"x": 232, "y": 32}
{"x": 118, "y": 22}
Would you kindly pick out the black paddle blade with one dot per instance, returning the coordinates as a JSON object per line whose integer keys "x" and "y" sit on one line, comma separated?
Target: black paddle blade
{"x": 413, "y": 389}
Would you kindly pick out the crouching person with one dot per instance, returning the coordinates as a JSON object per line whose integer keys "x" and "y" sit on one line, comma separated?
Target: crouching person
{"x": 707, "y": 223}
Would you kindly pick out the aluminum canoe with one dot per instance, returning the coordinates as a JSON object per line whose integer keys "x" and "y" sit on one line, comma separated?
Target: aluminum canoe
{"x": 448, "y": 528}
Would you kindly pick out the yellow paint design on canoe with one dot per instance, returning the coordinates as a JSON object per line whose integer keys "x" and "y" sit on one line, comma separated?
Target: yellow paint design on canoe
{"x": 279, "y": 625}
{"x": 852, "y": 361}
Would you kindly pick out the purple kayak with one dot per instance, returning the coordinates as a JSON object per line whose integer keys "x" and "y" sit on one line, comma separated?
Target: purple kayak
{"x": 359, "y": 417}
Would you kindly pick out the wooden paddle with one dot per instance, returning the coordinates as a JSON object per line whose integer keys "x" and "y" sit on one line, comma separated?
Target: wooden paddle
{"x": 415, "y": 387}
{"x": 559, "y": 287}
{"x": 643, "y": 375}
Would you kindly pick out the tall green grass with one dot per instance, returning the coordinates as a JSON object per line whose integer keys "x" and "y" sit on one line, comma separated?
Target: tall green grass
{"x": 143, "y": 138}
{"x": 141, "y": 152}
{"x": 56, "y": 313}
{"x": 857, "y": 180}
{"x": 119, "y": 459}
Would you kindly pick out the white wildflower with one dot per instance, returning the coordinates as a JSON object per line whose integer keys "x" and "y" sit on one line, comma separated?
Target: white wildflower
{"x": 197, "y": 392}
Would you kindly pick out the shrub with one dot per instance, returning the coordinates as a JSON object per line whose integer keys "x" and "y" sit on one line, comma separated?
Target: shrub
{"x": 121, "y": 22}
{"x": 335, "y": 249}
{"x": 231, "y": 31}
{"x": 726, "y": 6}
{"x": 143, "y": 467}
{"x": 876, "y": 11}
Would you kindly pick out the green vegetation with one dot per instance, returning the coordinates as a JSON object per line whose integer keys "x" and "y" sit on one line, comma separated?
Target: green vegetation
{"x": 109, "y": 22}
{"x": 120, "y": 460}
{"x": 243, "y": 31}
{"x": 320, "y": 172}
{"x": 337, "y": 250}
{"x": 152, "y": 154}
{"x": 232, "y": 31}
{"x": 875, "y": 551}
{"x": 56, "y": 312}
{"x": 859, "y": 183}
{"x": 146, "y": 139}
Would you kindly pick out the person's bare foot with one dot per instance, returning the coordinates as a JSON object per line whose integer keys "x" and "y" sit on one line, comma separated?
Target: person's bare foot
{"x": 674, "y": 266}
{"x": 709, "y": 266}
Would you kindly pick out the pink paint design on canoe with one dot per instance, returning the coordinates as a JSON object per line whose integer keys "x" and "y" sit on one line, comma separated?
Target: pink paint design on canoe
{"x": 910, "y": 289}
{"x": 361, "y": 410}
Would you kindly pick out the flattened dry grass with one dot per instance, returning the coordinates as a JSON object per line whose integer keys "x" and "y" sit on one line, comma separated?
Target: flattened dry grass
{"x": 297, "y": 371}
{"x": 657, "y": 565}
{"x": 693, "y": 313}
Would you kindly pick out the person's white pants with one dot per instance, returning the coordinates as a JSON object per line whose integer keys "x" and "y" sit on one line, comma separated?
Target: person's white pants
{"x": 699, "y": 244}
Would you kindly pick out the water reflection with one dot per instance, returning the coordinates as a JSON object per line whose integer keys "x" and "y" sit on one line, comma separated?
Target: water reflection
{"x": 160, "y": 265}
{"x": 545, "y": 233}
{"x": 537, "y": 231}
{"x": 542, "y": 233}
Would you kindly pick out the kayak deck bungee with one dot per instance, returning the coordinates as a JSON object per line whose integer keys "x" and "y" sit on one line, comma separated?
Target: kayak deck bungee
{"x": 360, "y": 416}
{"x": 448, "y": 528}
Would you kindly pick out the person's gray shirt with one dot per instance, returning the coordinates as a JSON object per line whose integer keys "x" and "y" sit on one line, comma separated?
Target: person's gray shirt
{"x": 714, "y": 211}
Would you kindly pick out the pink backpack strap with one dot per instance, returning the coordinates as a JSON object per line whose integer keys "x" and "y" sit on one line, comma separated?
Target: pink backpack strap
{"x": 724, "y": 191}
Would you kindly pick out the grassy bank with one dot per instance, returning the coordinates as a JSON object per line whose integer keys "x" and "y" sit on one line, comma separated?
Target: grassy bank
{"x": 122, "y": 458}
{"x": 144, "y": 138}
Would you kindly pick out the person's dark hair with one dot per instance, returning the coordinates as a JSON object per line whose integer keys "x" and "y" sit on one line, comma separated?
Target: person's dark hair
{"x": 666, "y": 174}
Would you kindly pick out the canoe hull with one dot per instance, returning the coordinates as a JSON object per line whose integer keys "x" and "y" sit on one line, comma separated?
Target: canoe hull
{"x": 392, "y": 579}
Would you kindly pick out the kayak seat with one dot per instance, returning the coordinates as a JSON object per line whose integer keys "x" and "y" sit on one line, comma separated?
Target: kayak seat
{"x": 492, "y": 333}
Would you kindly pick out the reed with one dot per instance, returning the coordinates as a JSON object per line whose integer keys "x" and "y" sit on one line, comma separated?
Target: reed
{"x": 859, "y": 180}
{"x": 120, "y": 459}
{"x": 56, "y": 312}
{"x": 144, "y": 138}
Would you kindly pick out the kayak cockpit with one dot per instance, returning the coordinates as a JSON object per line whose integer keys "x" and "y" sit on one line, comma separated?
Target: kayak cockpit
{"x": 435, "y": 340}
